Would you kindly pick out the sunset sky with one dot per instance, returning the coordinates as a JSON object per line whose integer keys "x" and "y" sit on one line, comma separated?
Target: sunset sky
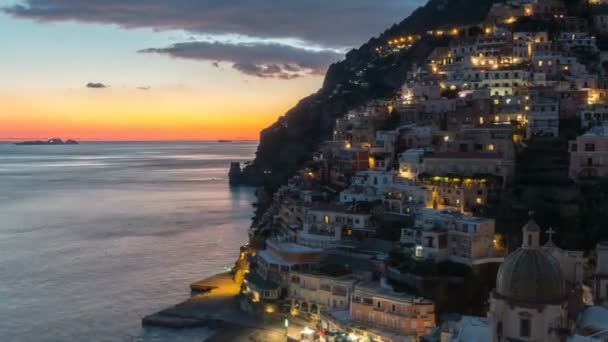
{"x": 170, "y": 69}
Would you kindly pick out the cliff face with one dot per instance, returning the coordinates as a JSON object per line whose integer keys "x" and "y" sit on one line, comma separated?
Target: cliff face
{"x": 359, "y": 78}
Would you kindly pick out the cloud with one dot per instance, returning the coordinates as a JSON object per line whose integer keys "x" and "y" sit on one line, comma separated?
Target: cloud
{"x": 144, "y": 88}
{"x": 96, "y": 85}
{"x": 262, "y": 59}
{"x": 335, "y": 23}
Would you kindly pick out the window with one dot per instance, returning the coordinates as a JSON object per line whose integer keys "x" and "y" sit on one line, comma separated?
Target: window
{"x": 525, "y": 327}
{"x": 378, "y": 305}
{"x": 326, "y": 219}
{"x": 393, "y": 308}
{"x": 589, "y": 147}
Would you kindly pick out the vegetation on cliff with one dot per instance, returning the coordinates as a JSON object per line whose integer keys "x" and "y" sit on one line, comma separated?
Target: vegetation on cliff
{"x": 359, "y": 78}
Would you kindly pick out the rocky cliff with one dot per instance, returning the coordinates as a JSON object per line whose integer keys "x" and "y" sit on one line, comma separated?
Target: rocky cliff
{"x": 360, "y": 77}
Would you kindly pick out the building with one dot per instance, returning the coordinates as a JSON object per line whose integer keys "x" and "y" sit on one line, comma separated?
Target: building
{"x": 543, "y": 118}
{"x": 312, "y": 292}
{"x": 465, "y": 329}
{"x": 382, "y": 308}
{"x": 331, "y": 225}
{"x": 589, "y": 154}
{"x": 600, "y": 274}
{"x": 594, "y": 115}
{"x": 530, "y": 299}
{"x": 273, "y": 265}
{"x": 447, "y": 235}
{"x": 464, "y": 165}
{"x": 379, "y": 313}
{"x": 409, "y": 162}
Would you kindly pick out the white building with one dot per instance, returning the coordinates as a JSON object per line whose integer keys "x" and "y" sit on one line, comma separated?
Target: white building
{"x": 442, "y": 235}
{"x": 589, "y": 154}
{"x": 594, "y": 115}
{"x": 409, "y": 163}
{"x": 330, "y": 225}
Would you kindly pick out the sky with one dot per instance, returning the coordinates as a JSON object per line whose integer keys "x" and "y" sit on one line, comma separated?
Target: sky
{"x": 171, "y": 69}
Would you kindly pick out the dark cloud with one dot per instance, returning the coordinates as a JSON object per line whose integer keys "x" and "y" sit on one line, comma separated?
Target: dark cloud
{"x": 265, "y": 60}
{"x": 336, "y": 23}
{"x": 96, "y": 85}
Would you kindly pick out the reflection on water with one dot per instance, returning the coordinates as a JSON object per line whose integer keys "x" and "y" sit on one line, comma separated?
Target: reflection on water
{"x": 95, "y": 236}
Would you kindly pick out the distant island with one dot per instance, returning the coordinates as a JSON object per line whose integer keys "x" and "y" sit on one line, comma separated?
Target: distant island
{"x": 54, "y": 141}
{"x": 224, "y": 141}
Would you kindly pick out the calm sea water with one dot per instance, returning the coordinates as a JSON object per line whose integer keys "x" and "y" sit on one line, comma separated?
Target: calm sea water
{"x": 95, "y": 236}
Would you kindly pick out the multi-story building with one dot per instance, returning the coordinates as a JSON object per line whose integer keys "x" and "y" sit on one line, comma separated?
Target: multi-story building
{"x": 600, "y": 274}
{"x": 589, "y": 154}
{"x": 273, "y": 264}
{"x": 442, "y": 235}
{"x": 379, "y": 313}
{"x": 329, "y": 225}
{"x": 579, "y": 41}
{"x": 502, "y": 81}
{"x": 543, "y": 118}
{"x": 592, "y": 115}
{"x": 464, "y": 165}
{"x": 312, "y": 292}
{"x": 381, "y": 308}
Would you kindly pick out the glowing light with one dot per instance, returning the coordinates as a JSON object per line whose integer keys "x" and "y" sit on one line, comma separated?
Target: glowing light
{"x": 307, "y": 331}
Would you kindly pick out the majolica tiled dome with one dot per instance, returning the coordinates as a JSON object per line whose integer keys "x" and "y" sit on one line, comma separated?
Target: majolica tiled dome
{"x": 531, "y": 275}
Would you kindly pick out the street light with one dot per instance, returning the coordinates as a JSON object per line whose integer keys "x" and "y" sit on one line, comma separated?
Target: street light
{"x": 286, "y": 324}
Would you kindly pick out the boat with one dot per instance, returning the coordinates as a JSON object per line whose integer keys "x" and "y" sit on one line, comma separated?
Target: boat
{"x": 224, "y": 141}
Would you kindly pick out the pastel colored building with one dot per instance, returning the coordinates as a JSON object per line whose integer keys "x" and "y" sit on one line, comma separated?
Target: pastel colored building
{"x": 589, "y": 154}
{"x": 384, "y": 309}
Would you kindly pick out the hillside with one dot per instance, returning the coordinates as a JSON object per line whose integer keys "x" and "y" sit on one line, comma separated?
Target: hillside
{"x": 360, "y": 77}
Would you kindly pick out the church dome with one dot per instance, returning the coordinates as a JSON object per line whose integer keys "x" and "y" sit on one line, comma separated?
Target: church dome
{"x": 531, "y": 275}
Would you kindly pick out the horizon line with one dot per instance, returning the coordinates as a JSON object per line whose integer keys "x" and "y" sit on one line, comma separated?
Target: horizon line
{"x": 13, "y": 140}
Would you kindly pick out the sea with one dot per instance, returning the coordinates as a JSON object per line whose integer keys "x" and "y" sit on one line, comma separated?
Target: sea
{"x": 95, "y": 236}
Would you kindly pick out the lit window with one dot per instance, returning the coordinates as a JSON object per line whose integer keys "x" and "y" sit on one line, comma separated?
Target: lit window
{"x": 491, "y": 147}
{"x": 326, "y": 219}
{"x": 478, "y": 200}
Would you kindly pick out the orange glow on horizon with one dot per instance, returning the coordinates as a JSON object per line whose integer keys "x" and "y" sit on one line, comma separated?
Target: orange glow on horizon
{"x": 136, "y": 115}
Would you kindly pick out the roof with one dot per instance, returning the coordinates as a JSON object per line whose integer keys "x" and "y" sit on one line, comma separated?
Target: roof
{"x": 378, "y": 290}
{"x": 335, "y": 207}
{"x": 472, "y": 329}
{"x": 594, "y": 318}
{"x": 462, "y": 155}
{"x": 272, "y": 258}
{"x": 291, "y": 247}
{"x": 530, "y": 275}
{"x": 597, "y": 131}
{"x": 257, "y": 281}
